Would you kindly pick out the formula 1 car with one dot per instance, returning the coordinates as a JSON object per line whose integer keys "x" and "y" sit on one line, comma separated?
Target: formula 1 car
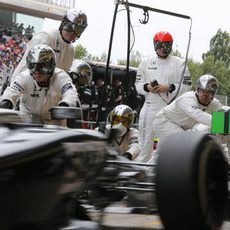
{"x": 46, "y": 170}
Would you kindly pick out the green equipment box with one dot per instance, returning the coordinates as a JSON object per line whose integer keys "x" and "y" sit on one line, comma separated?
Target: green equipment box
{"x": 220, "y": 123}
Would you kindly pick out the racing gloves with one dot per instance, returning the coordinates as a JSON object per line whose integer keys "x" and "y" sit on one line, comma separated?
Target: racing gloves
{"x": 128, "y": 155}
{"x": 6, "y": 104}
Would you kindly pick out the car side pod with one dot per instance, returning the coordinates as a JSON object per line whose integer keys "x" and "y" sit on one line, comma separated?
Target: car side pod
{"x": 42, "y": 173}
{"x": 191, "y": 182}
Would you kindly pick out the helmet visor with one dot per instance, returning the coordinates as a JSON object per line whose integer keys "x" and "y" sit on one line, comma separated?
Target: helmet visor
{"x": 207, "y": 92}
{"x": 77, "y": 29}
{"x": 79, "y": 80}
{"x": 39, "y": 67}
{"x": 121, "y": 119}
{"x": 167, "y": 46}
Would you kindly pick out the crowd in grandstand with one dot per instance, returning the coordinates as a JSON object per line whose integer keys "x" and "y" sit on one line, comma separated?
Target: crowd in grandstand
{"x": 13, "y": 40}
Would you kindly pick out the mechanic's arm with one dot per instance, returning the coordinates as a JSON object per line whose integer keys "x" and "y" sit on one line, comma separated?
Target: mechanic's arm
{"x": 134, "y": 148}
{"x": 159, "y": 88}
{"x": 68, "y": 92}
{"x": 144, "y": 87}
{"x": 143, "y": 84}
{"x": 12, "y": 93}
{"x": 141, "y": 80}
{"x": 192, "y": 110}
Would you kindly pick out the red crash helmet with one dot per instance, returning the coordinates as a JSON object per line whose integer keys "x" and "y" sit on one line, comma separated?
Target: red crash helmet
{"x": 163, "y": 40}
{"x": 163, "y": 36}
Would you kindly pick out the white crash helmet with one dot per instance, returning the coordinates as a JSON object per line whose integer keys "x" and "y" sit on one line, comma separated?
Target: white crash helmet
{"x": 121, "y": 118}
{"x": 81, "y": 73}
{"x": 75, "y": 21}
{"x": 41, "y": 58}
{"x": 207, "y": 82}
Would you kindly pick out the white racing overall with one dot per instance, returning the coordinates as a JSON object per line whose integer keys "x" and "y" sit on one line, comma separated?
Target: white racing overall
{"x": 165, "y": 71}
{"x": 36, "y": 101}
{"x": 185, "y": 113}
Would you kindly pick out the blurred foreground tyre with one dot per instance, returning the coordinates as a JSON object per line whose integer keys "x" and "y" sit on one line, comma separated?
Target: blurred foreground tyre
{"x": 191, "y": 182}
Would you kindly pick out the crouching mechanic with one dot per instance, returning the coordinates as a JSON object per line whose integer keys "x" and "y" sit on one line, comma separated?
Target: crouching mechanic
{"x": 191, "y": 111}
{"x": 81, "y": 74}
{"x": 40, "y": 87}
{"x": 126, "y": 140}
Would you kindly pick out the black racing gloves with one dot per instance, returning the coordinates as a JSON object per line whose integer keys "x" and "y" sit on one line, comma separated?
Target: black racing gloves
{"x": 6, "y": 104}
{"x": 63, "y": 104}
{"x": 128, "y": 155}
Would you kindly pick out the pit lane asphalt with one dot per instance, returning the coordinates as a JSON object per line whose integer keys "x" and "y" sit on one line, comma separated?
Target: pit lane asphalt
{"x": 120, "y": 218}
{"x": 135, "y": 221}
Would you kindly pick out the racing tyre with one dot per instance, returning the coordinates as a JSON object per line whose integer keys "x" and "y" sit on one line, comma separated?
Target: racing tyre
{"x": 191, "y": 182}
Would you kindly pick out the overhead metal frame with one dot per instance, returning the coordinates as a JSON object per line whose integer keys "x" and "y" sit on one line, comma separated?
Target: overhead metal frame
{"x": 146, "y": 9}
{"x": 128, "y": 4}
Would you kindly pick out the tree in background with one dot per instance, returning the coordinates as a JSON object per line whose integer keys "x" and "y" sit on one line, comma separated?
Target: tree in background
{"x": 176, "y": 53}
{"x": 217, "y": 61}
{"x": 135, "y": 59}
{"x": 218, "y": 69}
{"x": 80, "y": 52}
{"x": 219, "y": 47}
{"x": 102, "y": 58}
{"x": 195, "y": 71}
